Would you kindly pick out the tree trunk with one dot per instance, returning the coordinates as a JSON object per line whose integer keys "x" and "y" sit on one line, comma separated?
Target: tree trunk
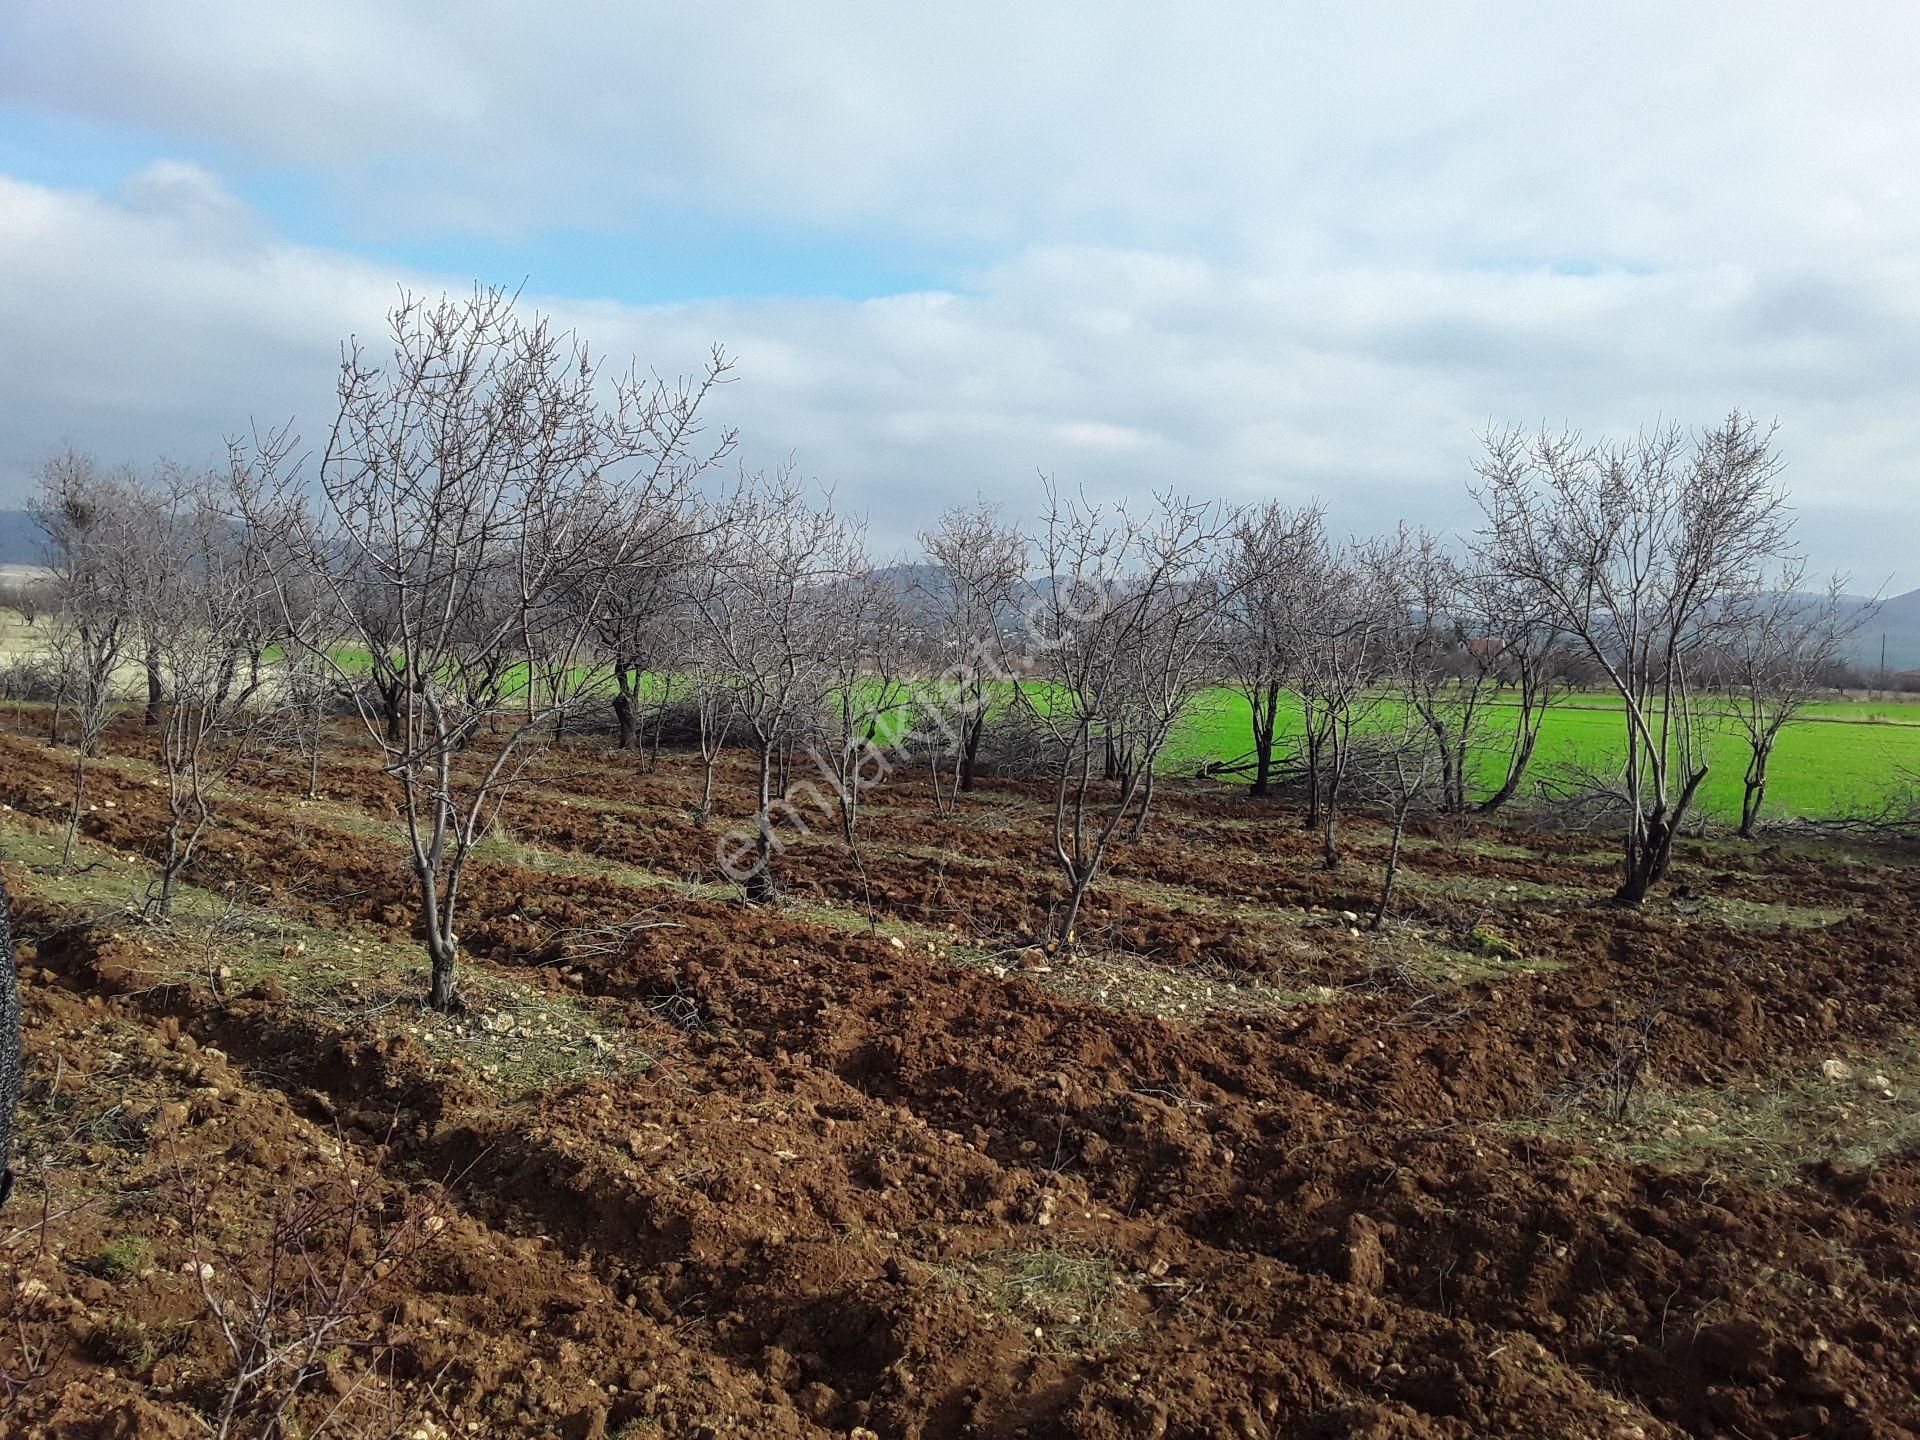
{"x": 970, "y": 751}
{"x": 759, "y": 881}
{"x": 440, "y": 993}
{"x": 1393, "y": 869}
{"x": 706, "y": 789}
{"x": 154, "y": 691}
{"x": 160, "y": 893}
{"x": 1754, "y": 790}
{"x": 1263, "y": 729}
{"x": 1651, "y": 854}
{"x": 1082, "y": 878}
{"x": 1516, "y": 767}
{"x": 1639, "y": 876}
{"x": 1448, "y": 804}
{"x": 940, "y": 806}
{"x": 1311, "y": 821}
{"x": 390, "y": 691}
{"x": 1146, "y": 804}
{"x": 710, "y": 741}
{"x": 1336, "y": 769}
{"x": 437, "y": 910}
{"x": 223, "y": 688}
{"x": 79, "y": 798}
{"x": 624, "y": 715}
{"x": 659, "y": 729}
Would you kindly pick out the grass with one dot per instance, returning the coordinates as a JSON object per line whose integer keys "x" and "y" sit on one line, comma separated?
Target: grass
{"x": 1067, "y": 1302}
{"x": 520, "y": 1038}
{"x": 1736, "y": 913}
{"x": 1105, "y": 975}
{"x": 1839, "y": 757}
{"x": 16, "y": 636}
{"x": 126, "y": 1257}
{"x": 1855, "y": 1110}
{"x": 1753, "y": 914}
{"x": 1416, "y": 952}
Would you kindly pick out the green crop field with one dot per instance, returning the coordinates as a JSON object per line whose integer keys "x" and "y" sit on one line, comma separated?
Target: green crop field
{"x": 1842, "y": 755}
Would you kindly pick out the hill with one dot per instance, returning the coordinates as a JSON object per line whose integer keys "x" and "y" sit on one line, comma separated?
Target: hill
{"x": 19, "y": 539}
{"x": 1898, "y": 621}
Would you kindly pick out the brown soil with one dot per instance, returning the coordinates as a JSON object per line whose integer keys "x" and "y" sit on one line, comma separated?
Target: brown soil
{"x": 872, "y": 1161}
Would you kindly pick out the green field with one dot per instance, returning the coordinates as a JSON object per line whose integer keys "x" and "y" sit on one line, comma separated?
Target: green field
{"x": 1841, "y": 756}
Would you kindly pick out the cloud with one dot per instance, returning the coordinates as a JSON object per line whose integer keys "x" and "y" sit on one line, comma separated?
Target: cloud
{"x": 1624, "y": 133}
{"x": 1224, "y": 248}
{"x": 136, "y": 328}
{"x": 158, "y": 320}
{"x": 191, "y": 199}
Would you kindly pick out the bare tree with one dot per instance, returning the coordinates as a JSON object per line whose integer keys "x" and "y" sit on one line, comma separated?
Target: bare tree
{"x": 1317, "y": 620}
{"x": 706, "y": 688}
{"x": 637, "y": 631}
{"x": 206, "y": 603}
{"x": 1414, "y": 745}
{"x": 869, "y": 689}
{"x": 308, "y": 695}
{"x": 1123, "y": 634}
{"x": 1504, "y": 633}
{"x": 96, "y": 541}
{"x": 476, "y": 487}
{"x": 770, "y": 606}
{"x": 1437, "y": 664}
{"x": 1346, "y": 613}
{"x": 976, "y": 562}
{"x": 1786, "y": 653}
{"x": 1269, "y": 566}
{"x": 27, "y": 598}
{"x": 1645, "y": 553}
{"x": 360, "y": 603}
{"x": 714, "y": 713}
{"x": 1403, "y": 764}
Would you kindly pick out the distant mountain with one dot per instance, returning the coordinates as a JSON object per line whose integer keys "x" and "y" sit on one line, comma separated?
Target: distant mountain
{"x": 1898, "y": 620}
{"x": 911, "y": 580}
{"x": 19, "y": 539}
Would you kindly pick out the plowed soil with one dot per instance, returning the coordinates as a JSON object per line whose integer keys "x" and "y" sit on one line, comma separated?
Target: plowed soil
{"x": 871, "y": 1162}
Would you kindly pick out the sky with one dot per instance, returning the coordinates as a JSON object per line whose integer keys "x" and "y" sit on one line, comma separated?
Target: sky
{"x": 1254, "y": 250}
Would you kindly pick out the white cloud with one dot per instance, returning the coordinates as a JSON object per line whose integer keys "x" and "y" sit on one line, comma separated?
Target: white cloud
{"x": 1633, "y": 131}
{"x": 137, "y": 330}
{"x": 1230, "y": 248}
{"x": 1101, "y": 436}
